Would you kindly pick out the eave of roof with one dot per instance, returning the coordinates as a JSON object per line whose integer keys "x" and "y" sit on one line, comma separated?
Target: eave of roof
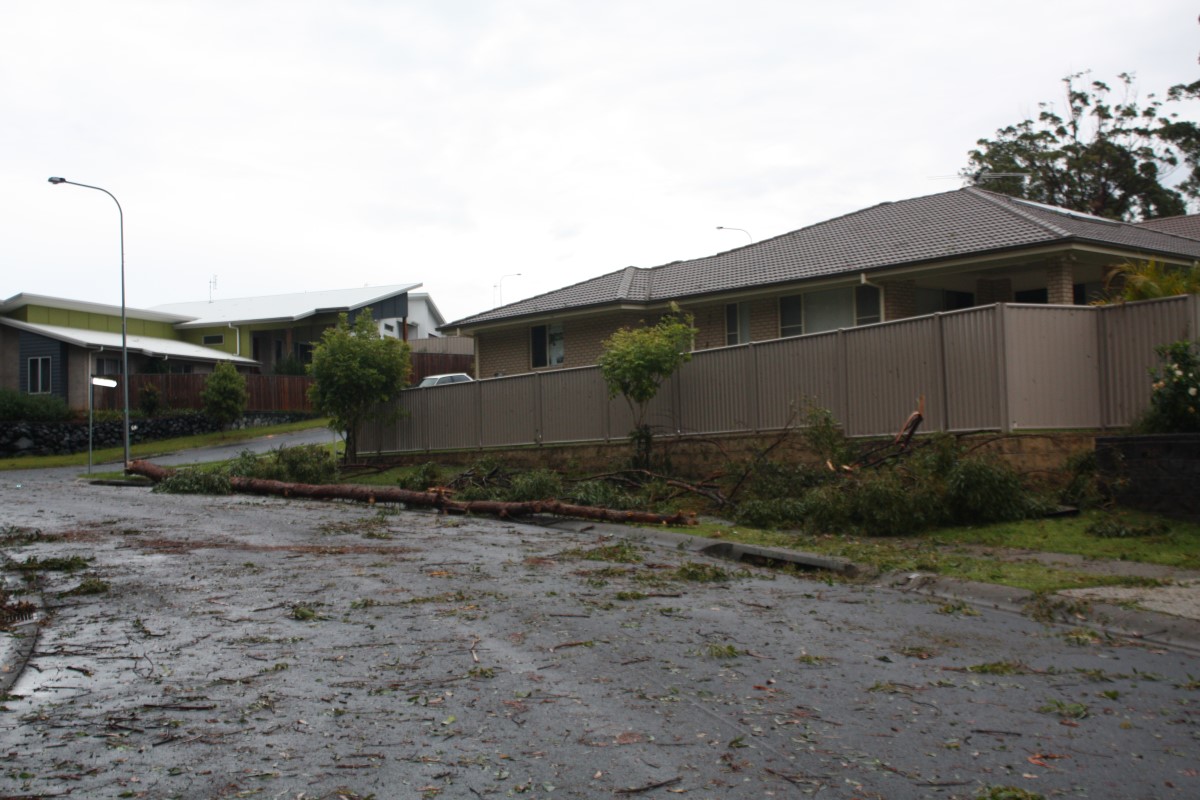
{"x": 23, "y": 299}
{"x": 148, "y": 345}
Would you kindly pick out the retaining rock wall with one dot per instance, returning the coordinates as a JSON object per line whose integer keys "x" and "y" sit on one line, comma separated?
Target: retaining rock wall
{"x": 1159, "y": 473}
{"x": 64, "y": 438}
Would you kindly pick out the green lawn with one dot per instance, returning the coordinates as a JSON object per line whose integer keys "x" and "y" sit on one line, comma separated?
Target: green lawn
{"x": 992, "y": 553}
{"x": 151, "y": 449}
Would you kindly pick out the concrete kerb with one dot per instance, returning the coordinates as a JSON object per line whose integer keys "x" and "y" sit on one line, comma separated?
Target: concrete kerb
{"x": 18, "y": 642}
{"x": 1132, "y": 623}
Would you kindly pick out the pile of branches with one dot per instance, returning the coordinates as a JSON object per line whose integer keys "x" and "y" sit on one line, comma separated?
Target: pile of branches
{"x": 439, "y": 498}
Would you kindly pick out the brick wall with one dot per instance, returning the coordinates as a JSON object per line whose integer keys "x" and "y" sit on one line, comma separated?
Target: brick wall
{"x": 993, "y": 290}
{"x": 1040, "y": 455}
{"x": 1060, "y": 282}
{"x": 899, "y": 299}
{"x": 507, "y": 352}
{"x": 710, "y": 322}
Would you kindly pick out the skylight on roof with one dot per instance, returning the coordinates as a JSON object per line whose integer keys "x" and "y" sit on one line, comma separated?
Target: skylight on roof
{"x": 1067, "y": 212}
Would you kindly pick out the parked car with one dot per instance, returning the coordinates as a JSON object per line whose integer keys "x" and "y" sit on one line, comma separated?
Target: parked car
{"x": 442, "y": 380}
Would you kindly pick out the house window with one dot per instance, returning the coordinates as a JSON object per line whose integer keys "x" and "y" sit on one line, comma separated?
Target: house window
{"x": 737, "y": 323}
{"x": 39, "y": 375}
{"x": 546, "y": 345}
{"x": 866, "y": 305}
{"x": 791, "y": 315}
{"x": 214, "y": 338}
{"x": 108, "y": 366}
{"x": 390, "y": 328}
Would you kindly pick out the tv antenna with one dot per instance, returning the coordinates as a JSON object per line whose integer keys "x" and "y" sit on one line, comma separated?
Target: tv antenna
{"x": 212, "y": 284}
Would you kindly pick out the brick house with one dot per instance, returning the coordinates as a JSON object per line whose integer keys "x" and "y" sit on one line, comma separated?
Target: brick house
{"x": 941, "y": 252}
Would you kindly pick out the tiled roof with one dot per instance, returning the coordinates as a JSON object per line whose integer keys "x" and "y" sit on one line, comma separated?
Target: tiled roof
{"x": 962, "y": 223}
{"x": 1188, "y": 226}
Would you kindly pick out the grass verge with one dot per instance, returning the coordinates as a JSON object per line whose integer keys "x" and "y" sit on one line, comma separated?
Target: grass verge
{"x": 151, "y": 449}
{"x": 1003, "y": 553}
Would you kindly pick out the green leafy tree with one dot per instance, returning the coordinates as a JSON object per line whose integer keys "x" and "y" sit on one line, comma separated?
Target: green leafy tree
{"x": 1148, "y": 280}
{"x": 354, "y": 369}
{"x": 636, "y": 361}
{"x": 224, "y": 394}
{"x": 1111, "y": 158}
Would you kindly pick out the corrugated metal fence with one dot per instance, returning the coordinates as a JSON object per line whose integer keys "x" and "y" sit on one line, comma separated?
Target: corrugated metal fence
{"x": 1002, "y": 367}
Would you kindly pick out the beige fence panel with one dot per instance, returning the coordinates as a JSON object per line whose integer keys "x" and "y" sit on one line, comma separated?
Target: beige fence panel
{"x": 449, "y": 416}
{"x": 796, "y": 374}
{"x": 508, "y": 409}
{"x": 715, "y": 390}
{"x": 574, "y": 406}
{"x": 1129, "y": 334}
{"x": 888, "y": 367}
{"x": 997, "y": 367}
{"x": 973, "y": 380}
{"x": 392, "y": 428}
{"x": 1053, "y": 377}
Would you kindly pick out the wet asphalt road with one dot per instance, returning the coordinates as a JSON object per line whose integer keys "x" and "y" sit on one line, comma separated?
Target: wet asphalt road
{"x": 251, "y": 647}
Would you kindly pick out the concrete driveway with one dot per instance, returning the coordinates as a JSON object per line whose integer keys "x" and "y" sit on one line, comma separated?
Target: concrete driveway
{"x": 273, "y": 648}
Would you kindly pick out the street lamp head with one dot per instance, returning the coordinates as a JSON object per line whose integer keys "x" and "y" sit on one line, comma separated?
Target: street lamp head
{"x": 58, "y": 180}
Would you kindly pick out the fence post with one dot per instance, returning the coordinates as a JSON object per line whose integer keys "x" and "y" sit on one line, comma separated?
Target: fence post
{"x": 538, "y": 421}
{"x": 942, "y": 372}
{"x": 842, "y": 411}
{"x": 752, "y": 386}
{"x": 1002, "y": 366}
{"x": 1104, "y": 359}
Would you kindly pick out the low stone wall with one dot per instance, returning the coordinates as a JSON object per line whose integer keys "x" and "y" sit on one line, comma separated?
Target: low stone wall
{"x": 64, "y": 438}
{"x": 1159, "y": 473}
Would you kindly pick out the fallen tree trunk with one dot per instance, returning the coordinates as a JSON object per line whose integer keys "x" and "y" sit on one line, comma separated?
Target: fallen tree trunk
{"x": 442, "y": 501}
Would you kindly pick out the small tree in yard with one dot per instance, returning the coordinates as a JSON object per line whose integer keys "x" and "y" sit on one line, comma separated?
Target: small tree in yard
{"x": 224, "y": 394}
{"x": 636, "y": 361}
{"x": 354, "y": 369}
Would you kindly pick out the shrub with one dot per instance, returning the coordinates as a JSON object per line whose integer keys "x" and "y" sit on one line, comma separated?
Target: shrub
{"x": 150, "y": 400}
{"x": 602, "y": 494}
{"x": 311, "y": 463}
{"x": 194, "y": 481}
{"x": 771, "y": 513}
{"x": 772, "y": 480}
{"x": 1175, "y": 396}
{"x": 20, "y": 407}
{"x": 538, "y": 484}
{"x": 1086, "y": 487}
{"x": 979, "y": 490}
{"x": 421, "y": 477}
{"x": 826, "y": 509}
{"x": 224, "y": 394}
{"x": 881, "y": 505}
{"x": 826, "y": 439}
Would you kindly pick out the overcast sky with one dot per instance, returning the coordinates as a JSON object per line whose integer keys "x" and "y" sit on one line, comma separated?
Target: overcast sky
{"x": 301, "y": 146}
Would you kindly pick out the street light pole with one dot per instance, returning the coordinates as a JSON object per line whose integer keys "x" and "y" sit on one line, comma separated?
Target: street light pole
{"x": 500, "y": 285}
{"x": 124, "y": 322}
{"x": 743, "y": 230}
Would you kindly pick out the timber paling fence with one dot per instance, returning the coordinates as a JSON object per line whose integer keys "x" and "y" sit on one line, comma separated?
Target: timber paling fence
{"x": 1004, "y": 367}
{"x": 263, "y": 392}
